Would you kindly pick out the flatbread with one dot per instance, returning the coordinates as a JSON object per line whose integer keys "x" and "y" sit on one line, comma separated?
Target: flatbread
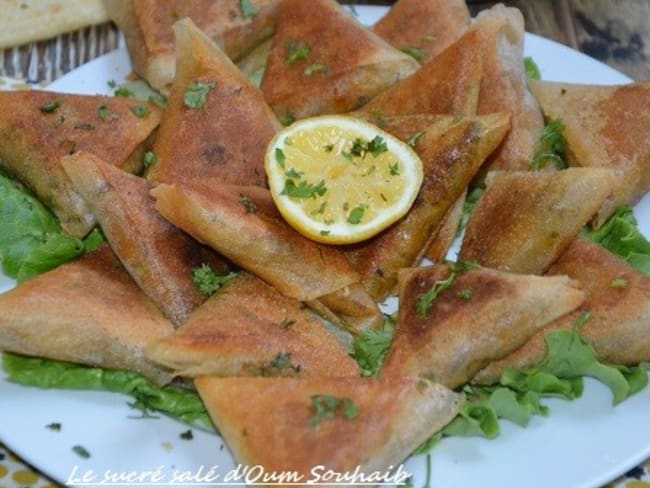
{"x": 225, "y": 138}
{"x": 618, "y": 303}
{"x": 270, "y": 421}
{"x": 481, "y": 316}
{"x": 424, "y": 27}
{"x": 147, "y": 27}
{"x": 249, "y": 329}
{"x": 38, "y": 128}
{"x": 159, "y": 256}
{"x": 24, "y": 21}
{"x": 604, "y": 126}
{"x": 525, "y": 220}
{"x": 451, "y": 155}
{"x": 88, "y": 311}
{"x": 323, "y": 61}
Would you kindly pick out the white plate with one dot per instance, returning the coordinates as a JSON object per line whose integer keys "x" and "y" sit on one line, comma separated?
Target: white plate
{"x": 585, "y": 443}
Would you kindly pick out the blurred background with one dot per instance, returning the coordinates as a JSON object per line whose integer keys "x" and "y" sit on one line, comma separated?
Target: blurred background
{"x": 616, "y": 32}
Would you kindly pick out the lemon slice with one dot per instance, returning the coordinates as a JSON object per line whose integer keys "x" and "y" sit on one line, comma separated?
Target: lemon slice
{"x": 339, "y": 180}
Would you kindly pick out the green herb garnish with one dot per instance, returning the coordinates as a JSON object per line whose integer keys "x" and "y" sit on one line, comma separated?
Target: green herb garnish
{"x": 356, "y": 215}
{"x": 55, "y": 426}
{"x": 207, "y": 281}
{"x": 316, "y": 68}
{"x": 327, "y": 407}
{"x": 103, "y": 112}
{"x": 280, "y": 157}
{"x": 81, "y": 451}
{"x": 149, "y": 159}
{"x": 187, "y": 435}
{"x": 51, "y": 106}
{"x": 415, "y": 52}
{"x": 531, "y": 68}
{"x": 247, "y": 9}
{"x": 196, "y": 94}
{"x": 297, "y": 51}
{"x": 303, "y": 189}
{"x": 140, "y": 111}
{"x": 248, "y": 204}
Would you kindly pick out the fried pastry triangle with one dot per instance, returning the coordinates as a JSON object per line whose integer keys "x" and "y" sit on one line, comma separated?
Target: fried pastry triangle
{"x": 424, "y": 28}
{"x": 447, "y": 84}
{"x": 327, "y": 62}
{"x": 451, "y": 154}
{"x": 243, "y": 224}
{"x": 604, "y": 126}
{"x": 504, "y": 86}
{"x": 525, "y": 220}
{"x": 453, "y": 321}
{"x": 618, "y": 303}
{"x": 88, "y": 311}
{"x": 248, "y": 328}
{"x": 38, "y": 128}
{"x": 147, "y": 27}
{"x": 159, "y": 256}
{"x": 297, "y": 424}
{"x": 224, "y": 136}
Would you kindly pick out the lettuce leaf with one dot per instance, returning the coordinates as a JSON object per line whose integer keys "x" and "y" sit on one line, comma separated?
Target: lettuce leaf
{"x": 31, "y": 239}
{"x": 175, "y": 401}
{"x": 621, "y": 236}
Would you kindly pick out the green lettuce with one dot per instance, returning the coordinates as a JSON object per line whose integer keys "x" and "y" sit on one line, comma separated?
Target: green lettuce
{"x": 621, "y": 236}
{"x": 175, "y": 401}
{"x": 31, "y": 239}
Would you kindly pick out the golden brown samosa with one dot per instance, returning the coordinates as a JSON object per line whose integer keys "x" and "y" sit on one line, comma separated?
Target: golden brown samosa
{"x": 298, "y": 424}
{"x": 424, "y": 28}
{"x": 618, "y": 306}
{"x": 604, "y": 126}
{"x": 323, "y": 61}
{"x": 147, "y": 27}
{"x": 447, "y": 84}
{"x": 221, "y": 136}
{"x": 243, "y": 224}
{"x": 504, "y": 86}
{"x": 451, "y": 155}
{"x": 158, "y": 255}
{"x": 525, "y": 220}
{"x": 452, "y": 321}
{"x": 249, "y": 329}
{"x": 38, "y": 128}
{"x": 88, "y": 311}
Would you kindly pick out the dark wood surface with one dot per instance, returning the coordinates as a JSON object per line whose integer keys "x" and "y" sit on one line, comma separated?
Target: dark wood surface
{"x": 616, "y": 32}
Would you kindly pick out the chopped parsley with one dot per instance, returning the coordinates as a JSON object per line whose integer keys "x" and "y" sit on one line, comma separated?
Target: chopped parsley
{"x": 316, "y": 68}
{"x": 81, "y": 451}
{"x": 280, "y": 365}
{"x": 207, "y": 281}
{"x": 51, "y": 106}
{"x": 415, "y": 139}
{"x": 356, "y": 215}
{"x": 466, "y": 294}
{"x": 328, "y": 148}
{"x": 619, "y": 283}
{"x": 531, "y": 68}
{"x": 394, "y": 169}
{"x": 297, "y": 51}
{"x": 551, "y": 147}
{"x": 55, "y": 426}
{"x": 187, "y": 435}
{"x": 280, "y": 157}
{"x": 149, "y": 159}
{"x": 159, "y": 100}
{"x": 196, "y": 94}
{"x": 287, "y": 120}
{"x": 103, "y": 112}
{"x": 247, "y": 9}
{"x": 425, "y": 302}
{"x": 303, "y": 189}
{"x": 140, "y": 111}
{"x": 293, "y": 173}
{"x": 371, "y": 348}
{"x": 375, "y": 147}
{"x": 248, "y": 204}
{"x": 415, "y": 52}
{"x": 123, "y": 92}
{"x": 327, "y": 407}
